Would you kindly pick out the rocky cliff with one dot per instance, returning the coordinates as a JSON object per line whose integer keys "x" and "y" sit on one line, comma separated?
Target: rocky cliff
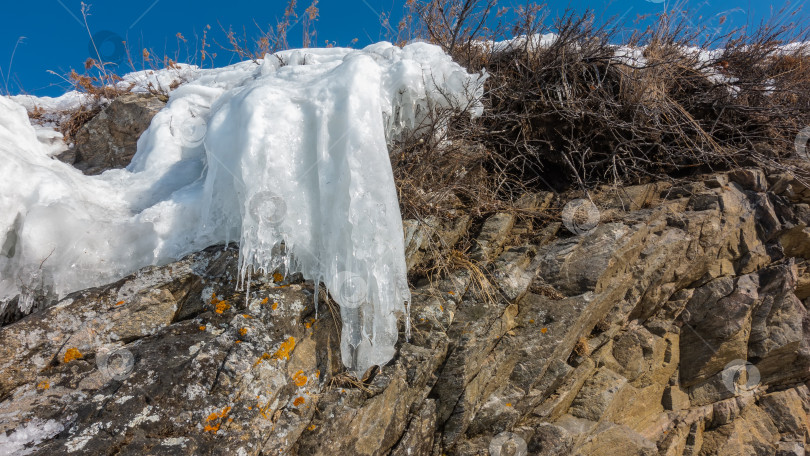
{"x": 675, "y": 322}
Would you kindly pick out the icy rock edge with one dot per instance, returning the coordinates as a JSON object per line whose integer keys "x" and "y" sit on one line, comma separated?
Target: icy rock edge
{"x": 293, "y": 151}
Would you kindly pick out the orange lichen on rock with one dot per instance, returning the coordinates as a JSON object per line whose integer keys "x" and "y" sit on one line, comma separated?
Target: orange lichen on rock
{"x": 299, "y": 401}
{"x": 264, "y": 301}
{"x": 220, "y": 305}
{"x": 72, "y": 354}
{"x": 312, "y": 427}
{"x": 214, "y": 427}
{"x": 544, "y": 330}
{"x": 119, "y": 303}
{"x": 202, "y": 327}
{"x": 299, "y": 378}
{"x": 275, "y": 305}
{"x": 277, "y": 277}
{"x": 259, "y": 361}
{"x": 43, "y": 385}
{"x": 243, "y": 331}
{"x": 285, "y": 349}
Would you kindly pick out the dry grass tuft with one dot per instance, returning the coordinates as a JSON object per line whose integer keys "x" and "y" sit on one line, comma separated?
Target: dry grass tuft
{"x": 574, "y": 114}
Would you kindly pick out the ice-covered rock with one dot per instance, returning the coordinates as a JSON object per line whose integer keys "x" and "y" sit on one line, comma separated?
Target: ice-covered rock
{"x": 291, "y": 151}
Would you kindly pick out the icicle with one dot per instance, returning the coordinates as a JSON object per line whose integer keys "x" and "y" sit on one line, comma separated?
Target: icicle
{"x": 293, "y": 155}
{"x": 247, "y": 292}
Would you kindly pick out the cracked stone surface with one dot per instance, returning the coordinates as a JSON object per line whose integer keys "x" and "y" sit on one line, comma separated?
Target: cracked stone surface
{"x": 678, "y": 325}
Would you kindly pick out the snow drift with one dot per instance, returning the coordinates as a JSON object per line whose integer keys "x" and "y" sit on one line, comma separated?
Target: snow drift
{"x": 292, "y": 152}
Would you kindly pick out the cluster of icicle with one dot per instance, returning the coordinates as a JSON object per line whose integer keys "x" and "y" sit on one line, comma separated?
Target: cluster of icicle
{"x": 292, "y": 151}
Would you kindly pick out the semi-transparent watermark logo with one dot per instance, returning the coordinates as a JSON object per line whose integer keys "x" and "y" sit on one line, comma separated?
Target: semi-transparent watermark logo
{"x": 740, "y": 376}
{"x": 580, "y": 216}
{"x": 116, "y": 364}
{"x": 508, "y": 444}
{"x": 352, "y": 289}
{"x": 107, "y": 46}
{"x": 801, "y": 143}
{"x": 267, "y": 208}
{"x": 188, "y": 127}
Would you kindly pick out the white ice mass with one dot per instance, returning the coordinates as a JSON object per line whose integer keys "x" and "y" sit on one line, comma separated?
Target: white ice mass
{"x": 291, "y": 150}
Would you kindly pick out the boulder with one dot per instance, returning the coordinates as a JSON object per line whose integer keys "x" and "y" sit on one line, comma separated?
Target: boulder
{"x": 109, "y": 140}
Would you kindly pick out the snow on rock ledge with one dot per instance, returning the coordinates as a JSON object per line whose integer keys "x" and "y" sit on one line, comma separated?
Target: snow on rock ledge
{"x": 292, "y": 150}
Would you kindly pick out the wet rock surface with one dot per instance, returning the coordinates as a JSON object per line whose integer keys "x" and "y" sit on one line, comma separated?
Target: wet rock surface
{"x": 678, "y": 325}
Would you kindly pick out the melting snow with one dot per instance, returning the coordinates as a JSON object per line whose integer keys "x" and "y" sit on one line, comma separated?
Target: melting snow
{"x": 291, "y": 150}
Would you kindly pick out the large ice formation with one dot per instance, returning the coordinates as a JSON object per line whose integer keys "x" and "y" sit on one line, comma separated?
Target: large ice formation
{"x": 291, "y": 150}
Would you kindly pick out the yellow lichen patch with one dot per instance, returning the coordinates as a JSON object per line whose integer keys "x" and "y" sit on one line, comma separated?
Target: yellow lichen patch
{"x": 72, "y": 354}
{"x": 259, "y": 361}
{"x": 263, "y": 410}
{"x": 277, "y": 277}
{"x": 275, "y": 305}
{"x": 317, "y": 374}
{"x": 285, "y": 349}
{"x": 451, "y": 292}
{"x": 299, "y": 401}
{"x": 247, "y": 316}
{"x": 283, "y": 352}
{"x": 508, "y": 404}
{"x": 544, "y": 330}
{"x": 531, "y": 321}
{"x": 264, "y": 301}
{"x": 299, "y": 378}
{"x": 43, "y": 385}
{"x": 216, "y": 416}
{"x": 237, "y": 342}
{"x": 220, "y": 305}
{"x": 243, "y": 331}
{"x": 441, "y": 308}
{"x": 312, "y": 427}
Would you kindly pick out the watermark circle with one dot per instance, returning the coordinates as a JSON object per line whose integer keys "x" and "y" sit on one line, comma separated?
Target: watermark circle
{"x": 738, "y": 370}
{"x": 107, "y": 46}
{"x": 507, "y": 444}
{"x": 267, "y": 207}
{"x": 800, "y": 143}
{"x": 188, "y": 129}
{"x": 580, "y": 216}
{"x": 351, "y": 289}
{"x": 117, "y": 364}
{"x": 401, "y": 285}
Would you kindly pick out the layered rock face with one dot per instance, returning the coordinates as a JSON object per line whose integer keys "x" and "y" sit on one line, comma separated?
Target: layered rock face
{"x": 676, "y": 325}
{"x": 110, "y": 139}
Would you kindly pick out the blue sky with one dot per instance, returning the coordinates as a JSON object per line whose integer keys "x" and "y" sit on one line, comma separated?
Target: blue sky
{"x": 56, "y": 39}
